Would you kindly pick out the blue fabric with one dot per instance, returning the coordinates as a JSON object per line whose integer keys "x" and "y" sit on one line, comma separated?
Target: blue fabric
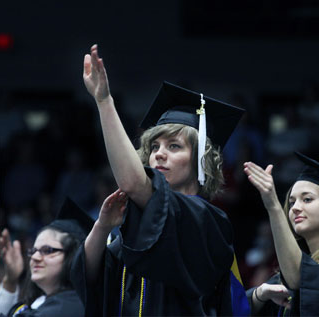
{"x": 239, "y": 299}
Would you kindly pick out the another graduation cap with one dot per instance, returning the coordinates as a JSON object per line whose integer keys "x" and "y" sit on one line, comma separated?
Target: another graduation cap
{"x": 310, "y": 171}
{"x": 174, "y": 104}
{"x": 73, "y": 220}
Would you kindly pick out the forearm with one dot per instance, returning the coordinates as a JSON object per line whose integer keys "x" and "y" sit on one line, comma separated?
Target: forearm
{"x": 9, "y": 284}
{"x": 94, "y": 246}
{"x": 126, "y": 165}
{"x": 287, "y": 250}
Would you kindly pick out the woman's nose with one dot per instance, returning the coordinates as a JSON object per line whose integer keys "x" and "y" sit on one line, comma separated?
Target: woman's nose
{"x": 161, "y": 154}
{"x": 296, "y": 208}
{"x": 36, "y": 256}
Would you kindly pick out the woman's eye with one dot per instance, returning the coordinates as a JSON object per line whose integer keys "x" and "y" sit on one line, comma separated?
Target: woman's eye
{"x": 308, "y": 200}
{"x": 175, "y": 146}
{"x": 291, "y": 203}
{"x": 154, "y": 147}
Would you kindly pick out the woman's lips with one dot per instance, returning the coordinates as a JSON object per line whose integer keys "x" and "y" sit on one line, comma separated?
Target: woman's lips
{"x": 161, "y": 168}
{"x": 299, "y": 219}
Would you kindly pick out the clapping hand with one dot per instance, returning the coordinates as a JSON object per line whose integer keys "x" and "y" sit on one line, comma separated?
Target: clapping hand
{"x": 12, "y": 259}
{"x": 263, "y": 181}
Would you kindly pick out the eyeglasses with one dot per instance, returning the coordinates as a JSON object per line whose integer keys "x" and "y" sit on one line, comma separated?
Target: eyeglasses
{"x": 44, "y": 250}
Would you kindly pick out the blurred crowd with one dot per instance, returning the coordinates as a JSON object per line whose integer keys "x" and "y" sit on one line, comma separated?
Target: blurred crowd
{"x": 51, "y": 147}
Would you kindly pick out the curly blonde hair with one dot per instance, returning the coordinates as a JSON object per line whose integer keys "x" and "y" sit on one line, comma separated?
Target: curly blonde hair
{"x": 213, "y": 158}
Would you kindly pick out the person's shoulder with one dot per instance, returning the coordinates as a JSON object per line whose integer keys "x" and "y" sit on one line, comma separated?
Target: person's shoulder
{"x": 66, "y": 303}
{"x": 196, "y": 201}
{"x": 64, "y": 298}
{"x": 69, "y": 293}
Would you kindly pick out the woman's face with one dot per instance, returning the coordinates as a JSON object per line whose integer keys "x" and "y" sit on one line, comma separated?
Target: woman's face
{"x": 173, "y": 157}
{"x": 304, "y": 209}
{"x": 46, "y": 269}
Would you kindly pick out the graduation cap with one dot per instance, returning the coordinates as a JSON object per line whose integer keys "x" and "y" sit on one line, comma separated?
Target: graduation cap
{"x": 73, "y": 220}
{"x": 174, "y": 104}
{"x": 310, "y": 172}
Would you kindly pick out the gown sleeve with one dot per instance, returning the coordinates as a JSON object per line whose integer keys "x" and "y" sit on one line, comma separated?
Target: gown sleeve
{"x": 309, "y": 286}
{"x": 182, "y": 241}
{"x": 94, "y": 296}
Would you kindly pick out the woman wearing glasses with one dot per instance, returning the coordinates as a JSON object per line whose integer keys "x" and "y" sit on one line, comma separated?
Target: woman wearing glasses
{"x": 47, "y": 290}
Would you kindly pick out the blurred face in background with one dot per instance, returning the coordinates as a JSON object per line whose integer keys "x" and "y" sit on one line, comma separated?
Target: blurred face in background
{"x": 46, "y": 269}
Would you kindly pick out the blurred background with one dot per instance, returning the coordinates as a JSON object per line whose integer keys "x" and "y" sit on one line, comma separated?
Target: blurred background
{"x": 259, "y": 55}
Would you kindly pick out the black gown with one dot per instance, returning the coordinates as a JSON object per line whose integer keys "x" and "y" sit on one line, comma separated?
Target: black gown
{"x": 305, "y": 300}
{"x": 171, "y": 259}
{"x": 63, "y": 304}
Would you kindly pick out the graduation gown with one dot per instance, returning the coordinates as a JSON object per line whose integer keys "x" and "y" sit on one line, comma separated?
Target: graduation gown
{"x": 171, "y": 259}
{"x": 63, "y": 304}
{"x": 305, "y": 300}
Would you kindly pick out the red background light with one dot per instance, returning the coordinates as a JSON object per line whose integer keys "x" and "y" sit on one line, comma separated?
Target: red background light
{"x": 6, "y": 42}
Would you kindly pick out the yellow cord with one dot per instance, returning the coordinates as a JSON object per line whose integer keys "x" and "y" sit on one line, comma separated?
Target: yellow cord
{"x": 141, "y": 298}
{"x": 285, "y": 310}
{"x": 123, "y": 289}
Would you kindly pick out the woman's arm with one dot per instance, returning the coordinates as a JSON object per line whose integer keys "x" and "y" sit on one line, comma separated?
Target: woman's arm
{"x": 126, "y": 165}
{"x": 111, "y": 216}
{"x": 287, "y": 249}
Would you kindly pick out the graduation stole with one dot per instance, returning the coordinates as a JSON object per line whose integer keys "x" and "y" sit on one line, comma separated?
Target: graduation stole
{"x": 142, "y": 295}
{"x": 239, "y": 299}
{"x": 20, "y": 309}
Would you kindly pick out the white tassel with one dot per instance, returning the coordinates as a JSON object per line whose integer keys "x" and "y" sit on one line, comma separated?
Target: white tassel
{"x": 201, "y": 141}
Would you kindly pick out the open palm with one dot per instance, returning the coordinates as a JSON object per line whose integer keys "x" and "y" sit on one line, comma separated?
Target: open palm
{"x": 12, "y": 256}
{"x": 112, "y": 210}
{"x": 94, "y": 75}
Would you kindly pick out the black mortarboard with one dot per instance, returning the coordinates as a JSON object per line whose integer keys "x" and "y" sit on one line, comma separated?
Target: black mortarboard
{"x": 73, "y": 220}
{"x": 174, "y": 104}
{"x": 310, "y": 171}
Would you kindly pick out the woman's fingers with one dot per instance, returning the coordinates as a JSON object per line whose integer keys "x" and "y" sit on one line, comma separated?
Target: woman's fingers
{"x": 87, "y": 65}
{"x": 17, "y": 246}
{"x": 259, "y": 177}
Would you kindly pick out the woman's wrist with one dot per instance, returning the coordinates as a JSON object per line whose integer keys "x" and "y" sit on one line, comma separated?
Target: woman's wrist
{"x": 258, "y": 296}
{"x": 10, "y": 284}
{"x": 102, "y": 229}
{"x": 105, "y": 102}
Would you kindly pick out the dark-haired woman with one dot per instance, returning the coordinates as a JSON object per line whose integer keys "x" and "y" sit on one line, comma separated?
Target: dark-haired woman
{"x": 48, "y": 290}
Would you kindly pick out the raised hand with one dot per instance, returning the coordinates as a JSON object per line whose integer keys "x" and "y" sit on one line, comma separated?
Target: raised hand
{"x": 263, "y": 181}
{"x": 112, "y": 210}
{"x": 95, "y": 77}
{"x": 12, "y": 259}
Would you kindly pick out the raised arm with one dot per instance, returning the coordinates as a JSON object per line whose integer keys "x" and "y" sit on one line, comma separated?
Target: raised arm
{"x": 111, "y": 216}
{"x": 288, "y": 252}
{"x": 125, "y": 163}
